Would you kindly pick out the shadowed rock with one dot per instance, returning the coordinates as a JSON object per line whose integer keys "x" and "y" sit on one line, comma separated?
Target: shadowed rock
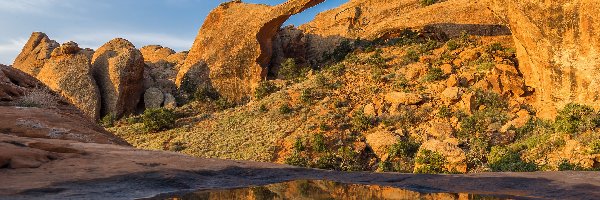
{"x": 235, "y": 41}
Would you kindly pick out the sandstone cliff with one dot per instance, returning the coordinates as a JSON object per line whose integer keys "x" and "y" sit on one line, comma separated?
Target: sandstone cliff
{"x": 35, "y": 53}
{"x": 561, "y": 59}
{"x": 118, "y": 68}
{"x": 238, "y": 48}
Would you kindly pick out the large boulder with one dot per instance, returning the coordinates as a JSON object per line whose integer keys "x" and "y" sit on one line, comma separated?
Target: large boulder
{"x": 238, "y": 48}
{"x": 557, "y": 46}
{"x": 156, "y": 53}
{"x": 35, "y": 53}
{"x": 68, "y": 72}
{"x": 118, "y": 67}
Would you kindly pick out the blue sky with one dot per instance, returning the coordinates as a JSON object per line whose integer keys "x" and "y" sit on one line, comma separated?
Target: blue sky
{"x": 91, "y": 23}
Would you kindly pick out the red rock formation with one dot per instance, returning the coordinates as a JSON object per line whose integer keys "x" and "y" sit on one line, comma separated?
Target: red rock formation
{"x": 35, "y": 53}
{"x": 236, "y": 44}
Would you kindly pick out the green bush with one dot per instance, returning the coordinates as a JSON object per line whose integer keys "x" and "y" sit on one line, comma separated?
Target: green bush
{"x": 318, "y": 143}
{"x": 376, "y": 60}
{"x": 404, "y": 148}
{"x": 108, "y": 120}
{"x": 460, "y": 42}
{"x": 429, "y": 2}
{"x": 430, "y": 162}
{"x": 264, "y": 89}
{"x": 502, "y": 159}
{"x": 290, "y": 70}
{"x": 337, "y": 69}
{"x": 297, "y": 159}
{"x": 576, "y": 118}
{"x": 205, "y": 94}
{"x": 565, "y": 165}
{"x": 340, "y": 52}
{"x": 476, "y": 124}
{"x": 285, "y": 109}
{"x": 595, "y": 147}
{"x": 490, "y": 100}
{"x": 158, "y": 119}
{"x": 495, "y": 47}
{"x": 411, "y": 56}
{"x": 434, "y": 74}
{"x": 224, "y": 104}
{"x": 362, "y": 122}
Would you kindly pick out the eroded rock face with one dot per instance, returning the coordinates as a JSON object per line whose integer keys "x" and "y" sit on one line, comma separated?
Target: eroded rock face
{"x": 14, "y": 83}
{"x": 156, "y": 53}
{"x": 558, "y": 49}
{"x": 68, "y": 72}
{"x": 35, "y": 53}
{"x": 118, "y": 68}
{"x": 238, "y": 48}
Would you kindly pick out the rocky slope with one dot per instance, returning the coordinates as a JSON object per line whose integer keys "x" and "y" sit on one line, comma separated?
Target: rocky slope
{"x": 559, "y": 59}
{"x": 232, "y": 52}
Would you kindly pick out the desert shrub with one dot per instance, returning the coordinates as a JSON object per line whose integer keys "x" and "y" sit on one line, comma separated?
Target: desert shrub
{"x": 407, "y": 147}
{"x": 285, "y": 109}
{"x": 490, "y": 100}
{"x": 205, "y": 93}
{"x": 594, "y": 147}
{"x": 407, "y": 37}
{"x": 502, "y": 159}
{"x": 264, "y": 89}
{"x": 485, "y": 67}
{"x": 158, "y": 119}
{"x": 38, "y": 97}
{"x": 349, "y": 160}
{"x": 290, "y": 70}
{"x": 177, "y": 146}
{"x": 445, "y": 112}
{"x": 434, "y": 74}
{"x": 495, "y": 47}
{"x": 340, "y": 52}
{"x": 337, "y": 69}
{"x": 327, "y": 161}
{"x": 430, "y": 162}
{"x": 318, "y": 143}
{"x": 411, "y": 56}
{"x": 108, "y": 120}
{"x": 263, "y": 108}
{"x": 565, "y": 165}
{"x": 576, "y": 118}
{"x": 376, "y": 60}
{"x": 296, "y": 159}
{"x": 476, "y": 124}
{"x": 477, "y": 153}
{"x": 429, "y": 2}
{"x": 459, "y": 42}
{"x": 224, "y": 104}
{"x": 362, "y": 122}
{"x": 299, "y": 144}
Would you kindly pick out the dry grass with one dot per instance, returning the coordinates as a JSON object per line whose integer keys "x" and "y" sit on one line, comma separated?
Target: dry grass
{"x": 38, "y": 97}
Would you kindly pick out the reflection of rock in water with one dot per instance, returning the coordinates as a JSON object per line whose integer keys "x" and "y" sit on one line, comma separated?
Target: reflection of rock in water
{"x": 305, "y": 190}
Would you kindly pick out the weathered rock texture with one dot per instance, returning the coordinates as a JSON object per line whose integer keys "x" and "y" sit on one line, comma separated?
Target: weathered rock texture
{"x": 558, "y": 49}
{"x": 162, "y": 64}
{"x": 68, "y": 72}
{"x": 35, "y": 53}
{"x": 118, "y": 68}
{"x": 375, "y": 19}
{"x": 236, "y": 43}
{"x": 14, "y": 83}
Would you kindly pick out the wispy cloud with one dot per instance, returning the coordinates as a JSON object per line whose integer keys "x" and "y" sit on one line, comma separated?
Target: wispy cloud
{"x": 10, "y": 49}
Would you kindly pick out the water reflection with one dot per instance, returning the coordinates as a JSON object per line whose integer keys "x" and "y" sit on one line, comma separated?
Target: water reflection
{"x": 317, "y": 189}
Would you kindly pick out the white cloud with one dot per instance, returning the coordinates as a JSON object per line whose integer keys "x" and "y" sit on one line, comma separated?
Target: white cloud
{"x": 9, "y": 50}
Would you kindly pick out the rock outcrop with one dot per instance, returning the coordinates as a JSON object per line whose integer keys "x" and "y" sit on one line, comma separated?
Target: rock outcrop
{"x": 14, "y": 83}
{"x": 35, "y": 53}
{"x": 68, "y": 72}
{"x": 118, "y": 68}
{"x": 561, "y": 59}
{"x": 237, "y": 48}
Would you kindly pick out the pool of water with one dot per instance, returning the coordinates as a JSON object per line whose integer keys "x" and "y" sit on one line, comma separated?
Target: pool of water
{"x": 317, "y": 189}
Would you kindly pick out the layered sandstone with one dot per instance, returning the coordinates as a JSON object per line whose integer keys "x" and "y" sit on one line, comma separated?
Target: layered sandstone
{"x": 238, "y": 48}
{"x": 14, "y": 83}
{"x": 561, "y": 60}
{"x": 118, "y": 68}
{"x": 35, "y": 53}
{"x": 68, "y": 72}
